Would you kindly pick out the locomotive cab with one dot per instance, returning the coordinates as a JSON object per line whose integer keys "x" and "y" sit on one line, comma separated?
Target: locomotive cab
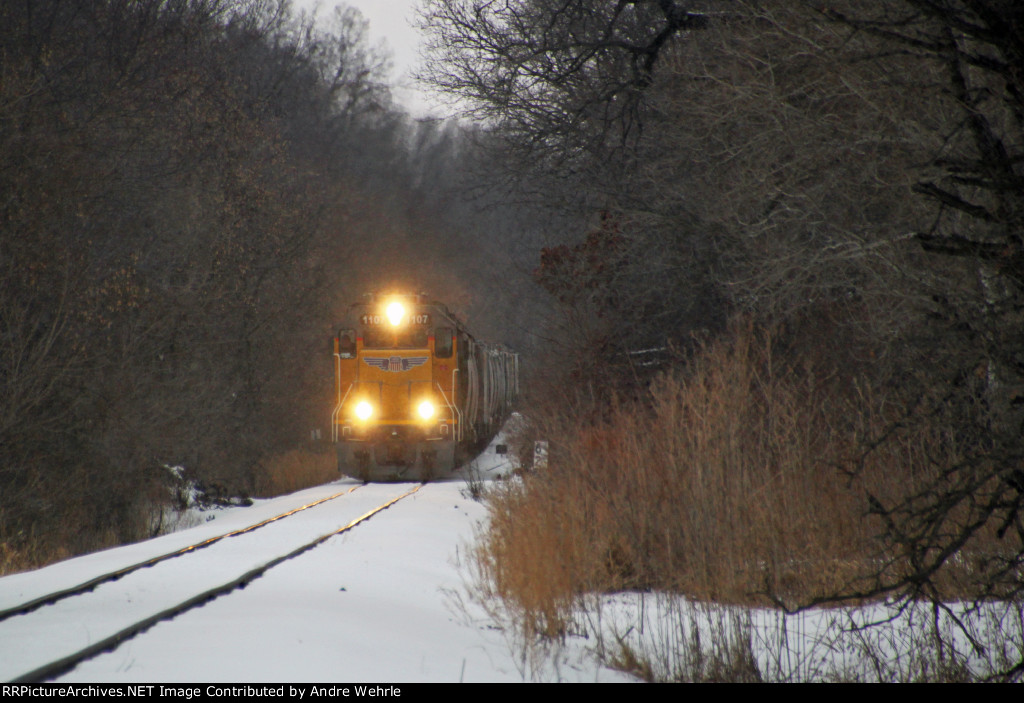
{"x": 397, "y": 413}
{"x": 414, "y": 391}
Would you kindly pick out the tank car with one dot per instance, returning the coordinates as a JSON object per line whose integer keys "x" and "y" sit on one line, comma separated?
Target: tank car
{"x": 416, "y": 394}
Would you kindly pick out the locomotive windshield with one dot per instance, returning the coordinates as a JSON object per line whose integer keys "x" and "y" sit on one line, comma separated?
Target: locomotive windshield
{"x": 395, "y": 327}
{"x": 347, "y": 344}
{"x": 443, "y": 339}
{"x": 375, "y": 337}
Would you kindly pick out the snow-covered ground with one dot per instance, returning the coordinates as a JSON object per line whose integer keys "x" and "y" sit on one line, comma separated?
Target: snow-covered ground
{"x": 685, "y": 640}
{"x": 388, "y": 602}
{"x": 384, "y": 602}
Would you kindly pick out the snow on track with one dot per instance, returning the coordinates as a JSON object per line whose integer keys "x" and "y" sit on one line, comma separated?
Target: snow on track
{"x": 55, "y": 631}
{"x": 367, "y": 606}
{"x": 378, "y": 603}
{"x": 19, "y": 588}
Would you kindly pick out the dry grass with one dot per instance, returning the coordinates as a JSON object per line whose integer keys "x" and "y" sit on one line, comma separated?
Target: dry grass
{"x": 297, "y": 469}
{"x": 664, "y": 637}
{"x": 20, "y": 554}
{"x": 64, "y": 539}
{"x": 739, "y": 482}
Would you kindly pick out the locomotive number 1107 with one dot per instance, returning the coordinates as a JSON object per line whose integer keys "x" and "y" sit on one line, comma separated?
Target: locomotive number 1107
{"x": 419, "y": 318}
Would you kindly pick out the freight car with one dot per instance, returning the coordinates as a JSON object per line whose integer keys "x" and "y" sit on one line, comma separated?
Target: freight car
{"x": 416, "y": 394}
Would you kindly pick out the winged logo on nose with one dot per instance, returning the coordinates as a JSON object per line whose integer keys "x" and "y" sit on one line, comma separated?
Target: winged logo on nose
{"x": 395, "y": 363}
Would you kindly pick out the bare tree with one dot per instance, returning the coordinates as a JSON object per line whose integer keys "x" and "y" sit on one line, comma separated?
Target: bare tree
{"x": 971, "y": 182}
{"x": 851, "y": 162}
{"x": 164, "y": 200}
{"x": 561, "y": 78}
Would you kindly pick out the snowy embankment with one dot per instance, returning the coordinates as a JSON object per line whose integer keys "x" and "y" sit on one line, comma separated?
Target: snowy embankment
{"x": 388, "y": 602}
{"x": 684, "y": 640}
{"x": 383, "y": 602}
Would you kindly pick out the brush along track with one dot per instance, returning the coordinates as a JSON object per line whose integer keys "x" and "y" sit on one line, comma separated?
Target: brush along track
{"x": 85, "y": 586}
{"x": 67, "y": 663}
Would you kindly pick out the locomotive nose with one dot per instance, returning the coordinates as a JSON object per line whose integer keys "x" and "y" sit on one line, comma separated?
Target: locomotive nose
{"x": 413, "y": 389}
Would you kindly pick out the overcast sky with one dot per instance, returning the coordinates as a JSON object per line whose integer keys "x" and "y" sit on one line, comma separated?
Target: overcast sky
{"x": 391, "y": 21}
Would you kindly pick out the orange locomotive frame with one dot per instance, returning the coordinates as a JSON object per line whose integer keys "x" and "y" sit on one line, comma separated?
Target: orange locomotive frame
{"x": 415, "y": 393}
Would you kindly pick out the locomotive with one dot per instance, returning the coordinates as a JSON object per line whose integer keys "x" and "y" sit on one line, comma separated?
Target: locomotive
{"x": 416, "y": 394}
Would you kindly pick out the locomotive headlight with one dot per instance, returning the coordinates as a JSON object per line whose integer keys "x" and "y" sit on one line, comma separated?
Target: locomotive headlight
{"x": 364, "y": 410}
{"x": 395, "y": 312}
{"x": 426, "y": 410}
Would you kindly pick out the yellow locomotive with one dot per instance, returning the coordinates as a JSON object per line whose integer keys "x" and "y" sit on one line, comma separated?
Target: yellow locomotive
{"x": 415, "y": 393}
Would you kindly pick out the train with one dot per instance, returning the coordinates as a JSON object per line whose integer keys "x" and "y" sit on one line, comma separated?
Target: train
{"x": 416, "y": 394}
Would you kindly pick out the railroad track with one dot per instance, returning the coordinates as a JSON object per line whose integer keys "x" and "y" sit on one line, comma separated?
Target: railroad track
{"x": 86, "y": 586}
{"x": 14, "y": 630}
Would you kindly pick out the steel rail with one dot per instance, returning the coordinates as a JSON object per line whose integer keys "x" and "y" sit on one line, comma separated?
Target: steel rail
{"x": 65, "y": 664}
{"x": 51, "y": 598}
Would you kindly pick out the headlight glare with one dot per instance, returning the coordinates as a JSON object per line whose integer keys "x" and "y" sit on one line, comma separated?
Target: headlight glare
{"x": 395, "y": 312}
{"x": 426, "y": 410}
{"x": 364, "y": 410}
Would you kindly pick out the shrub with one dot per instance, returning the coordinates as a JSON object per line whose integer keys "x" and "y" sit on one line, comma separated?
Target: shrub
{"x": 741, "y": 480}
